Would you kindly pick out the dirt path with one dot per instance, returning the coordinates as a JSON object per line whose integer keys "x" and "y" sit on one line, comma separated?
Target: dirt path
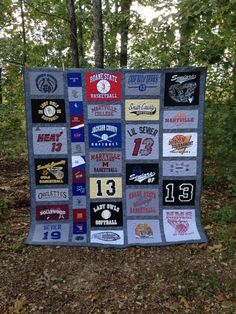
{"x": 180, "y": 279}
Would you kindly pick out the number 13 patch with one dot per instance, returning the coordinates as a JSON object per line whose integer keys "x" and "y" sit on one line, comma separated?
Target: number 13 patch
{"x": 179, "y": 192}
{"x": 142, "y": 141}
{"x": 109, "y": 187}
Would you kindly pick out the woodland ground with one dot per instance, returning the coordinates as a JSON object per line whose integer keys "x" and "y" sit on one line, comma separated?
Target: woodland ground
{"x": 177, "y": 279}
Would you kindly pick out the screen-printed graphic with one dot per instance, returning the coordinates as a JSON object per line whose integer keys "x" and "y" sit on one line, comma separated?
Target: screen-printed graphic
{"x": 142, "y": 202}
{"x": 142, "y": 84}
{"x": 103, "y": 86}
{"x": 142, "y": 141}
{"x": 182, "y": 89}
{"x": 76, "y": 108}
{"x": 48, "y": 110}
{"x": 77, "y": 148}
{"x": 77, "y": 135}
{"x": 180, "y": 225}
{"x": 144, "y": 231}
{"x": 79, "y": 215}
{"x": 78, "y": 189}
{"x": 142, "y": 174}
{"x": 51, "y": 171}
{"x": 110, "y": 236}
{"x": 105, "y": 162}
{"x": 52, "y": 195}
{"x": 51, "y": 233}
{"x": 106, "y": 187}
{"x": 179, "y": 192}
{"x": 76, "y": 122}
{"x": 180, "y": 144}
{"x": 104, "y": 214}
{"x": 142, "y": 109}
{"x": 50, "y": 140}
{"x": 79, "y": 202}
{"x": 74, "y": 79}
{"x": 101, "y": 111}
{"x": 52, "y": 212}
{"x": 79, "y": 228}
{"x": 104, "y": 135}
{"x": 46, "y": 83}
{"x": 75, "y": 94}
{"x": 179, "y": 168}
{"x": 180, "y": 119}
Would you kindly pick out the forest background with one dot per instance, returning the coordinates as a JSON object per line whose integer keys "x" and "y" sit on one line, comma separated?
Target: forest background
{"x": 112, "y": 34}
{"x": 66, "y": 33}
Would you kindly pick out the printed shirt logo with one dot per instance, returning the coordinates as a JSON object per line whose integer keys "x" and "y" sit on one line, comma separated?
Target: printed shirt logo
{"x": 51, "y": 171}
{"x": 79, "y": 228}
{"x": 48, "y": 140}
{"x": 179, "y": 168}
{"x": 106, "y": 214}
{"x": 52, "y": 212}
{"x": 74, "y": 79}
{"x": 180, "y": 119}
{"x": 107, "y": 236}
{"x": 103, "y": 86}
{"x": 142, "y": 202}
{"x": 76, "y": 108}
{"x": 142, "y": 109}
{"x": 79, "y": 215}
{"x": 179, "y": 221}
{"x": 48, "y": 111}
{"x": 105, "y": 135}
{"x": 105, "y": 162}
{"x": 77, "y": 134}
{"x": 180, "y": 225}
{"x": 50, "y": 195}
{"x": 179, "y": 143}
{"x": 104, "y": 111}
{"x": 141, "y": 174}
{"x": 143, "y": 231}
{"x": 142, "y": 84}
{"x": 46, "y": 83}
{"x": 142, "y": 141}
{"x": 179, "y": 192}
{"x": 182, "y": 88}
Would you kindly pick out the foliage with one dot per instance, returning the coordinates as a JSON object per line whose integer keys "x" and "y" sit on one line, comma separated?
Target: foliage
{"x": 224, "y": 216}
{"x": 4, "y": 207}
{"x": 184, "y": 32}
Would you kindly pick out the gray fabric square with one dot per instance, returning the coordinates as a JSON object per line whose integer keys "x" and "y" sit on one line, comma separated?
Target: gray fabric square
{"x": 46, "y": 83}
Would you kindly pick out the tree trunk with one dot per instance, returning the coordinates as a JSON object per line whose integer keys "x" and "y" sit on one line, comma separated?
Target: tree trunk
{"x": 0, "y": 84}
{"x": 73, "y": 33}
{"x": 80, "y": 33}
{"x": 98, "y": 34}
{"x": 125, "y": 23}
{"x": 23, "y": 32}
{"x": 184, "y": 50}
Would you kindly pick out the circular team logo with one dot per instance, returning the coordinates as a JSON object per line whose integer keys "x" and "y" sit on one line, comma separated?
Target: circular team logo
{"x": 106, "y": 214}
{"x": 49, "y": 111}
{"x": 103, "y": 86}
{"x": 46, "y": 83}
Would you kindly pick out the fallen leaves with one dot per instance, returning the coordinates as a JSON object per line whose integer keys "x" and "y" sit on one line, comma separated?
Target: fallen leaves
{"x": 215, "y": 247}
{"x": 17, "y": 307}
{"x": 184, "y": 302}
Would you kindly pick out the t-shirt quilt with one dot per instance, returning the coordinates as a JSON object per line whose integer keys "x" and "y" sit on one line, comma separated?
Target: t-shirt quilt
{"x": 115, "y": 156}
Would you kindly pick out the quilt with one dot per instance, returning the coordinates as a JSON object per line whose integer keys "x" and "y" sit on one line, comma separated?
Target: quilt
{"x": 115, "y": 156}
